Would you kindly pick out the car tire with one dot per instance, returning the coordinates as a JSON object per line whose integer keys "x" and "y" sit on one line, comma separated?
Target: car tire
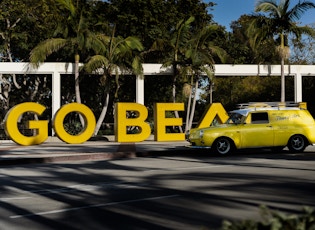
{"x": 297, "y": 143}
{"x": 223, "y": 146}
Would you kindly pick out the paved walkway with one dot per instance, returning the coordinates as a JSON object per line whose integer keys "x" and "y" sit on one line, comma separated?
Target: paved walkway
{"x": 54, "y": 150}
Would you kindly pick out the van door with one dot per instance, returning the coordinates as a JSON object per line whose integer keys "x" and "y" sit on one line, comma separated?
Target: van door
{"x": 257, "y": 132}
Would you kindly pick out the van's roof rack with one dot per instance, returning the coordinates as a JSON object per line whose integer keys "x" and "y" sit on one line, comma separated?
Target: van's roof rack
{"x": 290, "y": 104}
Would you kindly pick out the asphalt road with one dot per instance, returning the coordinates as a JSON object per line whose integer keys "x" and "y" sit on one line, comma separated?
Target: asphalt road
{"x": 189, "y": 190}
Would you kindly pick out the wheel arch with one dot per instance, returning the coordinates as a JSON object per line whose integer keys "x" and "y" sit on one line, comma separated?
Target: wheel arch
{"x": 299, "y": 134}
{"x": 294, "y": 143}
{"x": 227, "y": 137}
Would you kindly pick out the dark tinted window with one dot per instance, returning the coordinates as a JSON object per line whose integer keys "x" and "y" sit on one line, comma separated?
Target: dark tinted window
{"x": 260, "y": 118}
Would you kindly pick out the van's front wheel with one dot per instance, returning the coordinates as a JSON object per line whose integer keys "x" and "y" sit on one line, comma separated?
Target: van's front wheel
{"x": 297, "y": 143}
{"x": 223, "y": 146}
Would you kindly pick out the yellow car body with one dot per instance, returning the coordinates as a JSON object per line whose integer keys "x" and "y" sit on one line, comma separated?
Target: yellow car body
{"x": 271, "y": 127}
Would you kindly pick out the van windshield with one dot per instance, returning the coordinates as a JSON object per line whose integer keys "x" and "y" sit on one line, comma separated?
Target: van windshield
{"x": 235, "y": 118}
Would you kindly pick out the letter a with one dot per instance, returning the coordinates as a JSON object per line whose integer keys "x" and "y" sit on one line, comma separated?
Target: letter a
{"x": 215, "y": 110}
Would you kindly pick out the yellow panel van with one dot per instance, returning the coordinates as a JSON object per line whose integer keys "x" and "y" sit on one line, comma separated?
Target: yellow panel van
{"x": 258, "y": 126}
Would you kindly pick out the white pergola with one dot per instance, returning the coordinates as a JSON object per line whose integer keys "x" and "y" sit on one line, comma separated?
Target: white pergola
{"x": 57, "y": 69}
{"x": 297, "y": 71}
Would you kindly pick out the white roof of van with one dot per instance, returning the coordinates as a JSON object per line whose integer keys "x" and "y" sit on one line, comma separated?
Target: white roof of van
{"x": 244, "y": 112}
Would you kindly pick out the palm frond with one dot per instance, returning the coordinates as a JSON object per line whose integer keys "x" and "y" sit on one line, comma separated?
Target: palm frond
{"x": 137, "y": 66}
{"x": 44, "y": 49}
{"x": 117, "y": 53}
{"x": 97, "y": 62}
{"x": 68, "y": 5}
{"x": 299, "y": 9}
{"x": 298, "y": 31}
{"x": 134, "y": 43}
{"x": 269, "y": 6}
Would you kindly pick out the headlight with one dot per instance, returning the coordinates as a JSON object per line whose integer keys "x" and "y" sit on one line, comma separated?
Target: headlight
{"x": 187, "y": 135}
{"x": 201, "y": 133}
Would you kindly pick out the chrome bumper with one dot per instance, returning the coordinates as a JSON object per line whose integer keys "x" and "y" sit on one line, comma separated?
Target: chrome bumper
{"x": 197, "y": 147}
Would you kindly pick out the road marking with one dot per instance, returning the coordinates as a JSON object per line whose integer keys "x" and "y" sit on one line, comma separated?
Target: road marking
{"x": 185, "y": 168}
{"x": 75, "y": 188}
{"x": 15, "y": 198}
{"x": 92, "y": 206}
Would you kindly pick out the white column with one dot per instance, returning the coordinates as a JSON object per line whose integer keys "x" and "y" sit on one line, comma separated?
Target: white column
{"x": 298, "y": 87}
{"x": 140, "y": 89}
{"x": 56, "y": 94}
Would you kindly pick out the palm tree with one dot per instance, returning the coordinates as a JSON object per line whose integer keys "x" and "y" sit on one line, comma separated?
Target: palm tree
{"x": 280, "y": 22}
{"x": 119, "y": 54}
{"x": 199, "y": 57}
{"x": 74, "y": 34}
{"x": 175, "y": 45}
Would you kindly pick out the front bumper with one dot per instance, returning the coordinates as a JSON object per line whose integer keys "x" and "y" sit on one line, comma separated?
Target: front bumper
{"x": 197, "y": 147}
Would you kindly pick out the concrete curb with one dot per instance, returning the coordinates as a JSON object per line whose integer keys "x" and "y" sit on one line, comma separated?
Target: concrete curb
{"x": 67, "y": 158}
{"x": 55, "y": 152}
{"x": 86, "y": 157}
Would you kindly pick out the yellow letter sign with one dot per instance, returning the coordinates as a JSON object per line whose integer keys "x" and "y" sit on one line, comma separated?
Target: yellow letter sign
{"x": 122, "y": 122}
{"x": 213, "y": 111}
{"x": 89, "y": 119}
{"x": 160, "y": 122}
{"x": 11, "y": 124}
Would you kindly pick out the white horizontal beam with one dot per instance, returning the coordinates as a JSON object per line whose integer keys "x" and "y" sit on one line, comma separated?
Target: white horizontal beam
{"x": 157, "y": 69}
{"x": 263, "y": 70}
{"x": 27, "y": 68}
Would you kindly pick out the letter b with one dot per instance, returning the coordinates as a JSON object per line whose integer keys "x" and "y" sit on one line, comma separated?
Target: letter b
{"x": 122, "y": 122}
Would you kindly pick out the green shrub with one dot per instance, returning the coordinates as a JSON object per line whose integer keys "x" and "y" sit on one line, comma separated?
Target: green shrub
{"x": 272, "y": 220}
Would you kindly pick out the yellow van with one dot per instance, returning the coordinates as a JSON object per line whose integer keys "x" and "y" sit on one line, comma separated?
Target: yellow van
{"x": 258, "y": 126}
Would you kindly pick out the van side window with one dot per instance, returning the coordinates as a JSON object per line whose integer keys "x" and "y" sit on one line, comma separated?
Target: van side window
{"x": 260, "y": 118}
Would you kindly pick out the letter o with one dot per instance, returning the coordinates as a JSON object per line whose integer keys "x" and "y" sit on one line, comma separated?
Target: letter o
{"x": 85, "y": 134}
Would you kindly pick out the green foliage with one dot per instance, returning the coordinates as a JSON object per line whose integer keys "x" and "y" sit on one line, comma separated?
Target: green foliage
{"x": 303, "y": 52}
{"x": 272, "y": 220}
{"x": 279, "y": 24}
{"x": 234, "y": 90}
{"x": 241, "y": 49}
{"x": 280, "y": 21}
{"x": 72, "y": 33}
{"x": 154, "y": 19}
{"x": 116, "y": 52}
{"x": 23, "y": 24}
{"x": 72, "y": 124}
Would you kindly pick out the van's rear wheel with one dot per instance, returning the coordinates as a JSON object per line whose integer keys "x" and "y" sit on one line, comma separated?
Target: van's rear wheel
{"x": 223, "y": 146}
{"x": 297, "y": 143}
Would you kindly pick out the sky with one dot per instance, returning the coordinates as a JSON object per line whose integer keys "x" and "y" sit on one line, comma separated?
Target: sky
{"x": 227, "y": 11}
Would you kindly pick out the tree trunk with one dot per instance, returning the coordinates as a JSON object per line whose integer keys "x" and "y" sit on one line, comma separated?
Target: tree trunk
{"x": 188, "y": 107}
{"x": 211, "y": 92}
{"x": 105, "y": 81}
{"x": 5, "y": 89}
{"x": 77, "y": 85}
{"x": 174, "y": 94}
{"x": 188, "y": 112}
{"x": 192, "y": 113}
{"x": 102, "y": 115}
{"x": 282, "y": 81}
{"x": 9, "y": 27}
{"x": 282, "y": 55}
{"x": 35, "y": 90}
